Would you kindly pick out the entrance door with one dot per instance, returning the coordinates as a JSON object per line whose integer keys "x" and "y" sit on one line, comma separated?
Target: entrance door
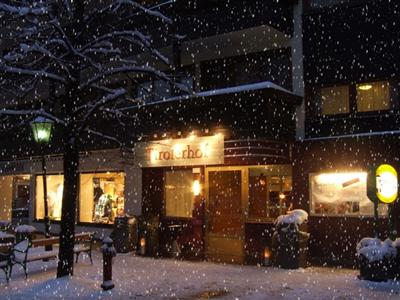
{"x": 226, "y": 207}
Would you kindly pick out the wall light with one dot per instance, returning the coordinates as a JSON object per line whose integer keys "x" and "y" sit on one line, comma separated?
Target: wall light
{"x": 364, "y": 87}
{"x": 267, "y": 256}
{"x": 142, "y": 246}
{"x": 196, "y": 188}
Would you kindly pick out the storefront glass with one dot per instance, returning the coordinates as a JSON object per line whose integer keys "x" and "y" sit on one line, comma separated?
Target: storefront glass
{"x": 55, "y": 186}
{"x": 101, "y": 197}
{"x": 269, "y": 194}
{"x": 5, "y": 197}
{"x": 341, "y": 194}
{"x": 178, "y": 193}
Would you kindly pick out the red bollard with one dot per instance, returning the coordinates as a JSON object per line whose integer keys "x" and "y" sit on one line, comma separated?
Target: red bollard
{"x": 108, "y": 253}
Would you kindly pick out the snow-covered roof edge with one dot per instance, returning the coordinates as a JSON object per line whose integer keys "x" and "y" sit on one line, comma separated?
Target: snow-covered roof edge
{"x": 226, "y": 91}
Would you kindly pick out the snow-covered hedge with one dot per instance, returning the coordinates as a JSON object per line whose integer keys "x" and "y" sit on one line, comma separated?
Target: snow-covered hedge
{"x": 296, "y": 216}
{"x": 373, "y": 249}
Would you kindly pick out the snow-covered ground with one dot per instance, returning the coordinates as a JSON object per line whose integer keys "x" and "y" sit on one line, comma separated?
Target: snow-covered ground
{"x": 146, "y": 278}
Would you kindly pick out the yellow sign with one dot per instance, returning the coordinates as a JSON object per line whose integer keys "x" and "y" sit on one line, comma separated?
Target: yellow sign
{"x": 386, "y": 184}
{"x": 208, "y": 150}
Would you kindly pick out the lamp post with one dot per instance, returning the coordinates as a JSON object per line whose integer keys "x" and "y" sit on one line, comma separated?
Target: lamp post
{"x": 41, "y": 128}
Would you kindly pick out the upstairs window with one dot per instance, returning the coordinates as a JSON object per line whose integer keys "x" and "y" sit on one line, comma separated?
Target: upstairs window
{"x": 335, "y": 100}
{"x": 373, "y": 96}
{"x": 357, "y": 98}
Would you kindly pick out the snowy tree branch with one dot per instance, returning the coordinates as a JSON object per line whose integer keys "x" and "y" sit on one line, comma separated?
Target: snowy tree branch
{"x": 35, "y": 73}
{"x": 37, "y": 113}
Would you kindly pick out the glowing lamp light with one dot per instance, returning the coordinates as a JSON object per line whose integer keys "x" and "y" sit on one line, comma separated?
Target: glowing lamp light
{"x": 364, "y": 87}
{"x": 178, "y": 148}
{"x": 153, "y": 155}
{"x": 282, "y": 196}
{"x": 42, "y": 128}
{"x": 196, "y": 188}
{"x": 267, "y": 256}
{"x": 142, "y": 246}
{"x": 205, "y": 148}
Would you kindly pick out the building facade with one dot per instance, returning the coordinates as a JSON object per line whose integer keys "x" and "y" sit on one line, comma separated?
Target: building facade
{"x": 208, "y": 173}
{"x": 351, "y": 74}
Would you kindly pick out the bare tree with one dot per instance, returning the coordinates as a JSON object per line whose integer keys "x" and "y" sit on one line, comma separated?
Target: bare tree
{"x": 76, "y": 49}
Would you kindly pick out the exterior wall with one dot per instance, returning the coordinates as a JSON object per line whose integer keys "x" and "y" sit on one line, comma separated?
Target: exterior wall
{"x": 334, "y": 238}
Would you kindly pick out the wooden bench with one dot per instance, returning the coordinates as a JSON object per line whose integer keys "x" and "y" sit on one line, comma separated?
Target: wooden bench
{"x": 28, "y": 251}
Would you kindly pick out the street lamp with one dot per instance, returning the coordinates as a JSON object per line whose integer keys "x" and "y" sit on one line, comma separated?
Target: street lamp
{"x": 41, "y": 128}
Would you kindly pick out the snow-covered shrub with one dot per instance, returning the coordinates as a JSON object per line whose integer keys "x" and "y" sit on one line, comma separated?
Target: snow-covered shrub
{"x": 296, "y": 216}
{"x": 374, "y": 249}
{"x": 289, "y": 244}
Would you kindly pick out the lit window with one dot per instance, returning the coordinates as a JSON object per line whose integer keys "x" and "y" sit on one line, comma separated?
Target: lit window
{"x": 101, "y": 197}
{"x": 269, "y": 195}
{"x": 335, "y": 100}
{"x": 55, "y": 185}
{"x": 373, "y": 96}
{"x": 341, "y": 194}
{"x": 179, "y": 194}
{"x": 6, "y": 184}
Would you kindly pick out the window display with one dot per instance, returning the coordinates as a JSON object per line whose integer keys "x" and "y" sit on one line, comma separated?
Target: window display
{"x": 55, "y": 186}
{"x": 101, "y": 197}
{"x": 341, "y": 194}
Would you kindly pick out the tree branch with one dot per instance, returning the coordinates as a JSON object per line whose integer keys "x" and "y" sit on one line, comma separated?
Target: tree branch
{"x": 38, "y": 113}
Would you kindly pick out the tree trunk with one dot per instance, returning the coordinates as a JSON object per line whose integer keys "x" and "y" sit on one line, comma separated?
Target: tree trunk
{"x": 69, "y": 201}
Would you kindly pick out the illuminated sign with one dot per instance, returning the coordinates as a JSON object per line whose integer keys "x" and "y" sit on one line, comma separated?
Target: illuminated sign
{"x": 191, "y": 151}
{"x": 382, "y": 184}
{"x": 386, "y": 183}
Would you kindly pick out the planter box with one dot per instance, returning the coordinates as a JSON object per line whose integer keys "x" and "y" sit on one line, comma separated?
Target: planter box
{"x": 290, "y": 249}
{"x": 379, "y": 270}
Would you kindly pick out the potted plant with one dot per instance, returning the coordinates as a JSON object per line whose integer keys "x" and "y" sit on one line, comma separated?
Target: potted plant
{"x": 289, "y": 243}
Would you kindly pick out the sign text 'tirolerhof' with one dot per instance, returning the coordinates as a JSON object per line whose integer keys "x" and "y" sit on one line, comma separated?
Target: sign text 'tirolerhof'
{"x": 191, "y": 151}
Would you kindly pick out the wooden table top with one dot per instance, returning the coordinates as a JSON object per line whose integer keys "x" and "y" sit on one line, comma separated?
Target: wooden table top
{"x": 56, "y": 239}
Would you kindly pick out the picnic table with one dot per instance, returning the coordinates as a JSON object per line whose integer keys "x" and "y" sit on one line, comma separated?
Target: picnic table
{"x": 56, "y": 240}
{"x": 6, "y": 237}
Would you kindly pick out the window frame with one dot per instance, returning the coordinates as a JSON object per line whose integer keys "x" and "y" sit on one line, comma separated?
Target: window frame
{"x": 35, "y": 218}
{"x": 78, "y": 209}
{"x": 315, "y": 108}
{"x": 78, "y": 221}
{"x": 310, "y": 202}
{"x": 164, "y": 208}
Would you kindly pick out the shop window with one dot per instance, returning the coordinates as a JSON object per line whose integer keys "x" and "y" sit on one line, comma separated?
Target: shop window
{"x": 101, "y": 197}
{"x": 341, "y": 194}
{"x": 179, "y": 194}
{"x": 21, "y": 197}
{"x": 55, "y": 186}
{"x": 6, "y": 183}
{"x": 373, "y": 96}
{"x": 335, "y": 100}
{"x": 14, "y": 199}
{"x": 269, "y": 195}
